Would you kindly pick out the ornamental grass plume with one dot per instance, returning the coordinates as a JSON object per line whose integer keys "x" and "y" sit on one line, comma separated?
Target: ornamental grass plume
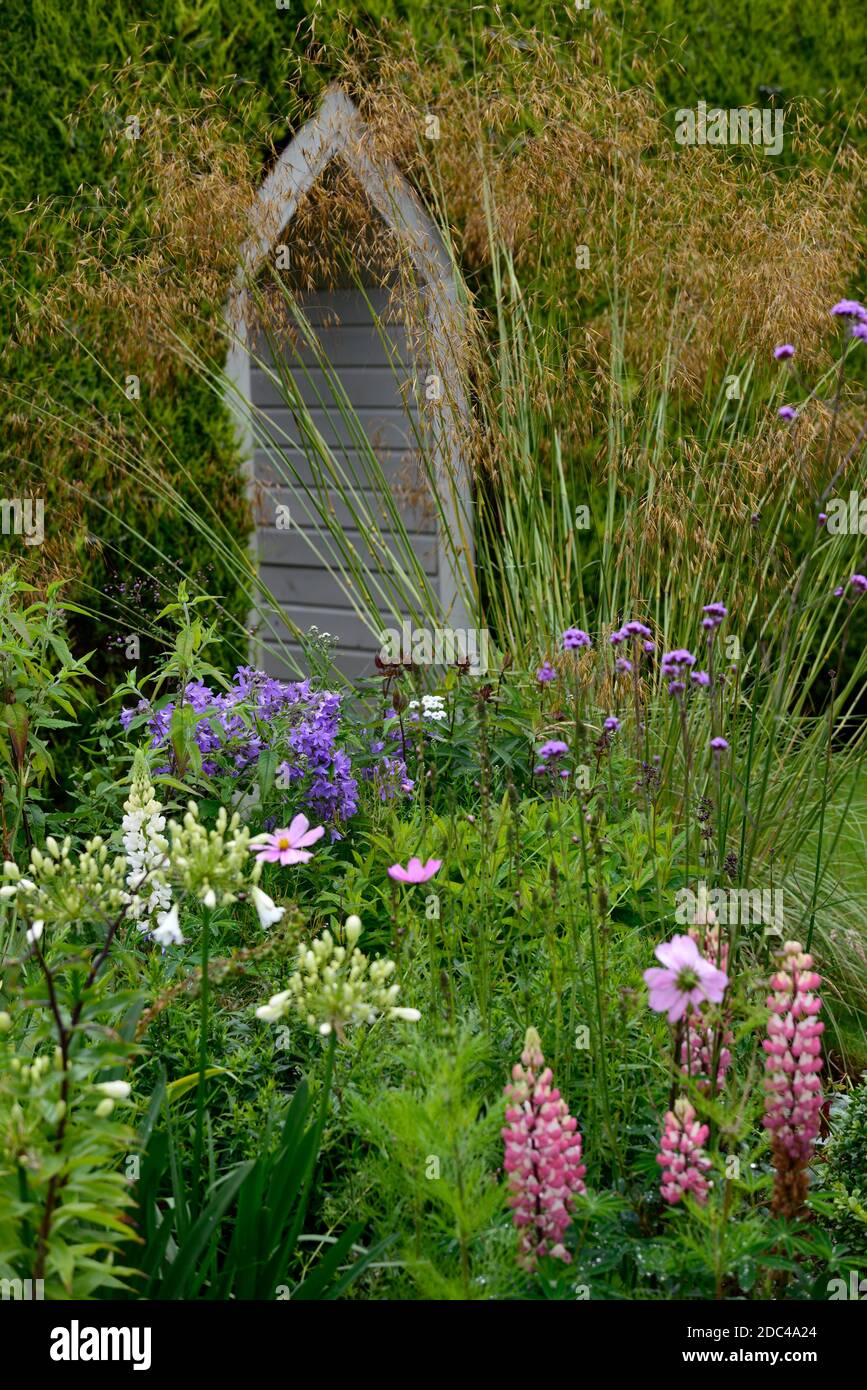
{"x": 793, "y": 1092}
{"x": 685, "y": 1164}
{"x": 543, "y": 1157}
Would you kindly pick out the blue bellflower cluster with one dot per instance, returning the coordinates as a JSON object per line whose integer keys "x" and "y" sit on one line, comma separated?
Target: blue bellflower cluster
{"x": 258, "y": 712}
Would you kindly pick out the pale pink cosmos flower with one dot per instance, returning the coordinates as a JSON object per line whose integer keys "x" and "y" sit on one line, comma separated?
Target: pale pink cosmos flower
{"x": 288, "y": 846}
{"x": 687, "y": 979}
{"x": 415, "y": 871}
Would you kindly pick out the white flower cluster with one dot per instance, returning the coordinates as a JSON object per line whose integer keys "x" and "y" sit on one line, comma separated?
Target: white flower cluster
{"x": 335, "y": 986}
{"x": 146, "y": 848}
{"x": 212, "y": 866}
{"x": 432, "y": 707}
{"x": 62, "y": 888}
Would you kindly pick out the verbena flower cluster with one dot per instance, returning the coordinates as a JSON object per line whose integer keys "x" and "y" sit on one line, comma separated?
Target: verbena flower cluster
{"x": 542, "y": 1157}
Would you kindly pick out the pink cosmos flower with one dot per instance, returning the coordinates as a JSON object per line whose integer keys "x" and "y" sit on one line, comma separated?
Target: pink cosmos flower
{"x": 415, "y": 871}
{"x": 687, "y": 979}
{"x": 288, "y": 846}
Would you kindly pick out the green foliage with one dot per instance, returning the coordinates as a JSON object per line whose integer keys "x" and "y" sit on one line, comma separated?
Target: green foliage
{"x": 431, "y": 1149}
{"x": 843, "y": 1175}
{"x": 58, "y": 67}
{"x": 64, "y": 1188}
{"x": 40, "y": 683}
{"x": 241, "y": 1239}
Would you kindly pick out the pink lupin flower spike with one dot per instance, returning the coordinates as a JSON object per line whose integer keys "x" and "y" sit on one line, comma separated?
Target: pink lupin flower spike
{"x": 793, "y": 1060}
{"x": 542, "y": 1159}
{"x": 684, "y": 1161}
{"x": 701, "y": 1040}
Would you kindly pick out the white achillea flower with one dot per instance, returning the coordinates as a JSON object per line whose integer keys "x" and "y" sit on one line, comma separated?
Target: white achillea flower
{"x": 432, "y": 707}
{"x": 146, "y": 847}
{"x": 335, "y": 986}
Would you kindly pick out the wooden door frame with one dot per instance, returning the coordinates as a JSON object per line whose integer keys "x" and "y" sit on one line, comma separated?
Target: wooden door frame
{"x": 337, "y": 131}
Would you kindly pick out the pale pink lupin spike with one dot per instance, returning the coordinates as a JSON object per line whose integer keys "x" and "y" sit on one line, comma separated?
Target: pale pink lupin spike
{"x": 542, "y": 1159}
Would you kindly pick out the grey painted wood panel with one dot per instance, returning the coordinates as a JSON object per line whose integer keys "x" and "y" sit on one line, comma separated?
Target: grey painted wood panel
{"x": 340, "y": 622}
{"x": 384, "y": 428}
{"x": 292, "y": 585}
{"x": 290, "y": 465}
{"x": 290, "y": 548}
{"x": 354, "y": 664}
{"x": 368, "y": 387}
{"x": 344, "y": 345}
{"x": 303, "y": 511}
{"x": 380, "y": 387}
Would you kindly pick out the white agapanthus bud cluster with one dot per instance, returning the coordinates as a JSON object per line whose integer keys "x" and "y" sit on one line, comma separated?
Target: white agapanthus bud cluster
{"x": 213, "y": 866}
{"x": 146, "y": 850}
{"x": 64, "y": 888}
{"x": 335, "y": 986}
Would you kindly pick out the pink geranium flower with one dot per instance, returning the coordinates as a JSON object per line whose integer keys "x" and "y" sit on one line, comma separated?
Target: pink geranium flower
{"x": 415, "y": 871}
{"x": 687, "y": 979}
{"x": 288, "y": 846}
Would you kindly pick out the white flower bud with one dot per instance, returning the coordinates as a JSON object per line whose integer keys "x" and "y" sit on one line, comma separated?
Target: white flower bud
{"x": 353, "y": 929}
{"x": 115, "y": 1090}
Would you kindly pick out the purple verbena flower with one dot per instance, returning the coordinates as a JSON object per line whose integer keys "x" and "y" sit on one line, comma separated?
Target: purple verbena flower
{"x": 676, "y": 662}
{"x": 850, "y": 309}
{"x": 575, "y": 637}
{"x": 554, "y": 748}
